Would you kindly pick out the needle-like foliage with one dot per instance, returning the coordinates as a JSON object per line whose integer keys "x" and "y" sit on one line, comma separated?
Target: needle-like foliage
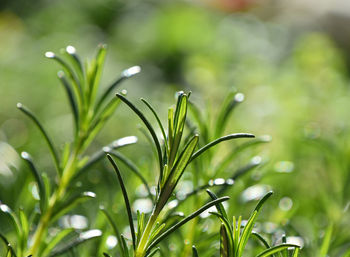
{"x": 233, "y": 239}
{"x": 173, "y": 158}
{"x": 90, "y": 111}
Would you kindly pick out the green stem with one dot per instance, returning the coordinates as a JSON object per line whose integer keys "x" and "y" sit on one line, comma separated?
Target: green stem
{"x": 45, "y": 219}
{"x": 142, "y": 246}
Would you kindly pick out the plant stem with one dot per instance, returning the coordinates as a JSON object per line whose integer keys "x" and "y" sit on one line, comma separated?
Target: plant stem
{"x": 44, "y": 221}
{"x": 141, "y": 248}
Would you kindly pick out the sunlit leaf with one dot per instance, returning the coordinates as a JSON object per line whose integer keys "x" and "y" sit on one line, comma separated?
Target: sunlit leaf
{"x": 126, "y": 199}
{"x": 219, "y": 140}
{"x": 97, "y": 72}
{"x": 153, "y": 252}
{"x": 326, "y": 241}
{"x": 133, "y": 168}
{"x": 158, "y": 121}
{"x": 149, "y": 127}
{"x": 128, "y": 73}
{"x": 176, "y": 172}
{"x": 14, "y": 219}
{"x": 224, "y": 242}
{"x": 71, "y": 98}
{"x": 194, "y": 251}
{"x": 48, "y": 140}
{"x": 77, "y": 86}
{"x": 25, "y": 229}
{"x": 185, "y": 220}
{"x": 276, "y": 249}
{"x": 42, "y": 189}
{"x": 179, "y": 124}
{"x": 261, "y": 239}
{"x": 250, "y": 224}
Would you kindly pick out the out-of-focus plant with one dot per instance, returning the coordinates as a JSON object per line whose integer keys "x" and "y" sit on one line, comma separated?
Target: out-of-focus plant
{"x": 331, "y": 191}
{"x": 90, "y": 112}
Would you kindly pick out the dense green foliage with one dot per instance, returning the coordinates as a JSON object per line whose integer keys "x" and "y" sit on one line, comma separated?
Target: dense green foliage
{"x": 295, "y": 89}
{"x": 89, "y": 113}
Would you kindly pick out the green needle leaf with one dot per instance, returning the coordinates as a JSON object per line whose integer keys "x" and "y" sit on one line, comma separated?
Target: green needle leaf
{"x": 236, "y": 232}
{"x": 8, "y": 245}
{"x": 227, "y": 225}
{"x": 246, "y": 234}
{"x": 126, "y": 199}
{"x": 297, "y": 249}
{"x": 250, "y": 224}
{"x": 158, "y": 120}
{"x": 25, "y": 228}
{"x": 261, "y": 239}
{"x": 153, "y": 252}
{"x": 128, "y": 73}
{"x": 194, "y": 251}
{"x": 170, "y": 127}
{"x": 140, "y": 226}
{"x": 71, "y": 98}
{"x": 183, "y": 160}
{"x": 133, "y": 168}
{"x": 71, "y": 51}
{"x": 94, "y": 75}
{"x": 276, "y": 249}
{"x": 185, "y": 220}
{"x": 219, "y": 140}
{"x": 4, "y": 239}
{"x": 326, "y": 241}
{"x": 156, "y": 230}
{"x": 224, "y": 242}
{"x": 284, "y": 252}
{"x": 262, "y": 201}
{"x": 70, "y": 71}
{"x": 176, "y": 172}
{"x": 53, "y": 151}
{"x": 219, "y": 206}
{"x": 42, "y": 190}
{"x": 225, "y": 222}
{"x": 150, "y": 129}
{"x": 178, "y": 127}
{"x": 100, "y": 120}
{"x": 14, "y": 219}
{"x": 126, "y": 251}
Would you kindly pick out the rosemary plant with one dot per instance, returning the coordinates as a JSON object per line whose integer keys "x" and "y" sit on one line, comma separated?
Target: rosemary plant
{"x": 90, "y": 112}
{"x": 173, "y": 157}
{"x": 217, "y": 164}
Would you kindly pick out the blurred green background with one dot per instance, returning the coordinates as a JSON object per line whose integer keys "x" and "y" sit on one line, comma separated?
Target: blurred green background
{"x": 290, "y": 60}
